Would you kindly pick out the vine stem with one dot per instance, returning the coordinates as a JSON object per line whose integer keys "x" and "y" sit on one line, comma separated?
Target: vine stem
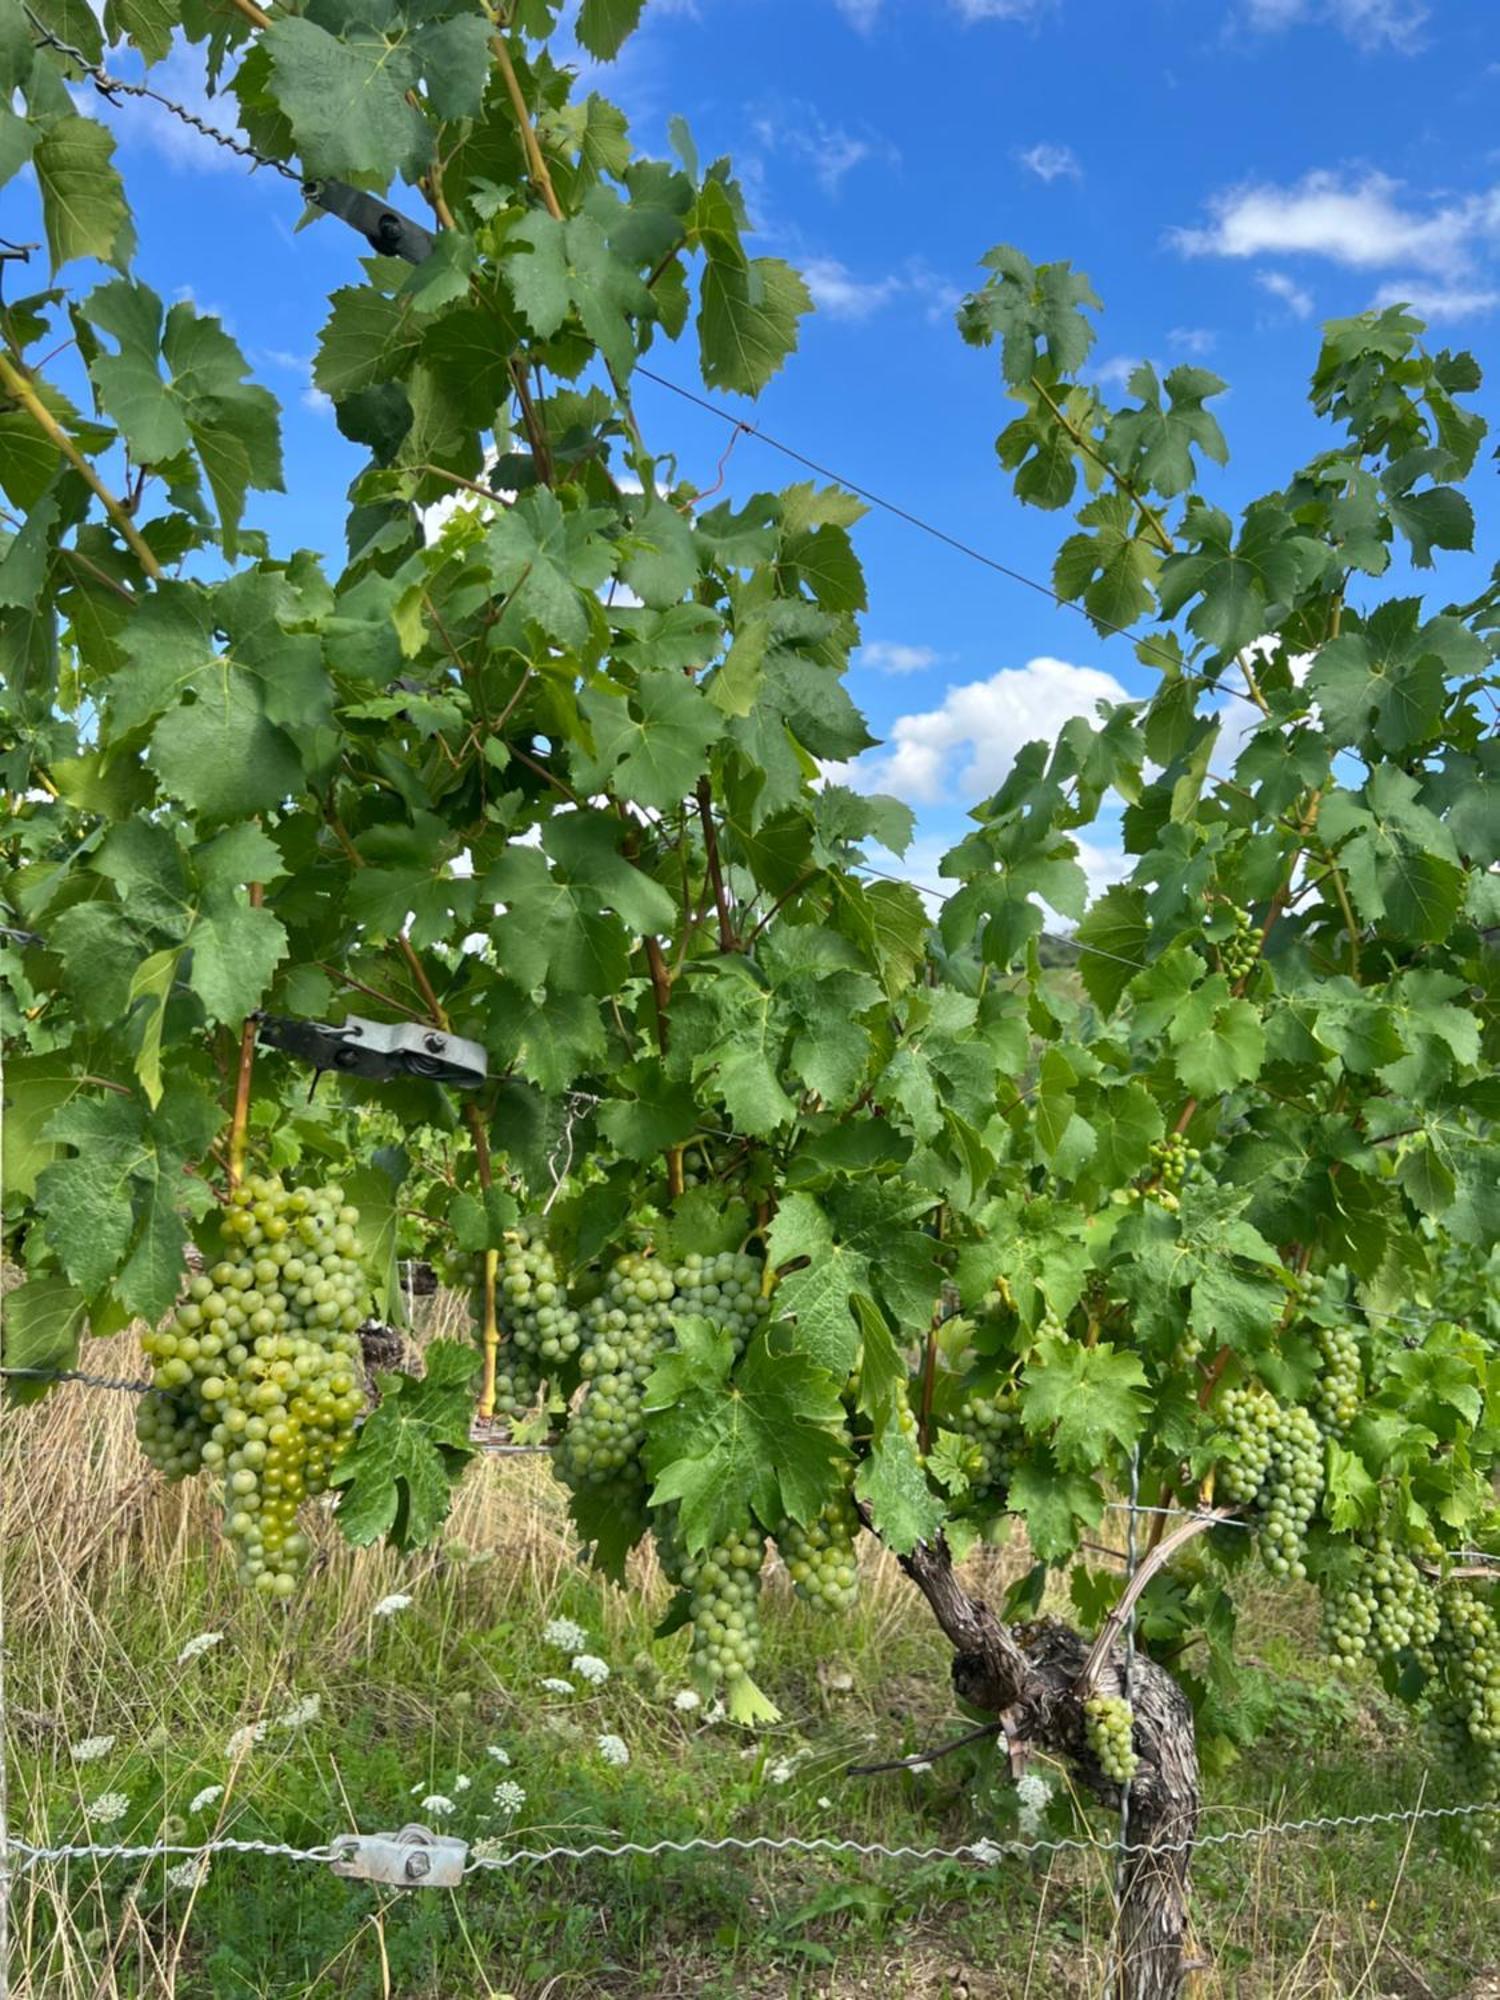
{"x": 535, "y": 160}
{"x": 1126, "y": 485}
{"x": 1114, "y": 1624}
{"x": 727, "y": 939}
{"x": 18, "y": 384}
{"x": 256, "y": 16}
{"x": 239, "y": 1124}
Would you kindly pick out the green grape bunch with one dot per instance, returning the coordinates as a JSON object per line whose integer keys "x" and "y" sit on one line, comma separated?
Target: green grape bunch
{"x": 821, "y": 1557}
{"x": 256, "y": 1377}
{"x": 1463, "y": 1700}
{"x": 1273, "y": 1463}
{"x": 625, "y": 1331}
{"x": 1173, "y": 1160}
{"x": 1109, "y": 1727}
{"x": 991, "y": 1424}
{"x": 1339, "y": 1395}
{"x": 1239, "y": 953}
{"x": 722, "y": 1588}
{"x": 1383, "y": 1608}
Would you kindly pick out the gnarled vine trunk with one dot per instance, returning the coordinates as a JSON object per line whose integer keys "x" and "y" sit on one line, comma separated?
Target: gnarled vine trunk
{"x": 1030, "y": 1676}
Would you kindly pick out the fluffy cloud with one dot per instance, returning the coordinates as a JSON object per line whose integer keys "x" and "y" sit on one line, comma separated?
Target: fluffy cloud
{"x": 795, "y": 127}
{"x": 1436, "y": 302}
{"x": 1396, "y": 23}
{"x": 863, "y": 14}
{"x": 964, "y": 748}
{"x": 1363, "y": 224}
{"x": 1051, "y": 163}
{"x": 1293, "y": 296}
{"x": 146, "y": 123}
{"x": 888, "y": 656}
{"x": 1117, "y": 371}
{"x": 837, "y": 292}
{"x": 1194, "y": 340}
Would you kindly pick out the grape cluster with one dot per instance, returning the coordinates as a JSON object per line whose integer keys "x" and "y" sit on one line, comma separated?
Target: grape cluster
{"x": 1109, "y": 1726}
{"x": 1172, "y": 1161}
{"x": 1465, "y": 1699}
{"x": 1240, "y": 951}
{"x": 1275, "y": 1464}
{"x": 725, "y": 1289}
{"x": 1386, "y": 1607}
{"x": 257, "y": 1375}
{"x": 1340, "y": 1392}
{"x": 625, "y": 1331}
{"x": 992, "y": 1426}
{"x": 537, "y": 1317}
{"x": 723, "y": 1584}
{"x": 821, "y": 1558}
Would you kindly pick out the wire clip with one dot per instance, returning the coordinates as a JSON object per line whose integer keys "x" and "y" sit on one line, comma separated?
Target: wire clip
{"x": 385, "y": 229}
{"x": 379, "y": 1051}
{"x": 410, "y": 1859}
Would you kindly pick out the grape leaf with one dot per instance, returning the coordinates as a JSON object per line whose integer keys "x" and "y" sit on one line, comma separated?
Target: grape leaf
{"x": 891, "y": 1482}
{"x": 398, "y": 1477}
{"x": 44, "y": 1321}
{"x": 345, "y": 98}
{"x": 1087, "y": 1398}
{"x": 83, "y": 200}
{"x": 603, "y": 25}
{"x": 765, "y": 1436}
{"x": 653, "y": 747}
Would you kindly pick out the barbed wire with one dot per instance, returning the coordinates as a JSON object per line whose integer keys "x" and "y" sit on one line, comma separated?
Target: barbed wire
{"x": 128, "y": 1385}
{"x": 110, "y": 87}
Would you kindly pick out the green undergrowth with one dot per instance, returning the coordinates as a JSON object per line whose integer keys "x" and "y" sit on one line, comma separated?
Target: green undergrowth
{"x": 438, "y": 1710}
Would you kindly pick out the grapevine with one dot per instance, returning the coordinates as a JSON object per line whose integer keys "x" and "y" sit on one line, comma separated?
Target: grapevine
{"x": 256, "y": 1376}
{"x": 821, "y": 1557}
{"x": 1274, "y": 1463}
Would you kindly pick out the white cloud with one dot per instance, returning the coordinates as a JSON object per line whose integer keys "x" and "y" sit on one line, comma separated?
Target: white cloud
{"x": 145, "y": 123}
{"x": 889, "y": 656}
{"x": 965, "y": 747}
{"x": 837, "y": 292}
{"x": 795, "y": 127}
{"x": 1438, "y": 301}
{"x": 1397, "y": 23}
{"x": 997, "y": 10}
{"x": 1362, "y": 224}
{"x": 1117, "y": 371}
{"x": 860, "y": 14}
{"x": 1293, "y": 296}
{"x": 1194, "y": 340}
{"x": 1049, "y": 162}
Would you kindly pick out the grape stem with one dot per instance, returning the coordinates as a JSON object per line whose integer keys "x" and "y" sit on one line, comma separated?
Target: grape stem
{"x": 925, "y": 1757}
{"x": 239, "y": 1123}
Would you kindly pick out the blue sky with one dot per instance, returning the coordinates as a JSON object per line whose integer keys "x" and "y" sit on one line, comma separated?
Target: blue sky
{"x": 1228, "y": 173}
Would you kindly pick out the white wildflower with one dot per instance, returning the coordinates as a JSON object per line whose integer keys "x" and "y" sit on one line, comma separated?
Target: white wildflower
{"x": 462, "y": 1782}
{"x": 488, "y": 1849}
{"x": 781, "y": 1771}
{"x": 1033, "y": 1792}
{"x": 555, "y": 1686}
{"x": 987, "y": 1852}
{"x": 245, "y": 1738}
{"x": 308, "y": 1709}
{"x": 107, "y": 1808}
{"x": 826, "y": 1804}
{"x": 91, "y": 1749}
{"x": 613, "y": 1749}
{"x": 591, "y": 1667}
{"x": 716, "y": 1713}
{"x": 919, "y": 1768}
{"x": 188, "y": 1874}
{"x": 389, "y": 1606}
{"x": 210, "y": 1795}
{"x": 439, "y": 1805}
{"x": 509, "y": 1796}
{"x": 687, "y": 1699}
{"x": 500, "y": 1755}
{"x": 201, "y": 1642}
{"x": 567, "y": 1636}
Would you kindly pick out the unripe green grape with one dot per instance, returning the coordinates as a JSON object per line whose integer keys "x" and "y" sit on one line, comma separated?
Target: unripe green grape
{"x": 1109, "y": 1727}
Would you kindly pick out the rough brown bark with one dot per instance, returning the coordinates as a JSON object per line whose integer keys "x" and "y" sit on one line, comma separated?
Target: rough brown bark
{"x": 1029, "y": 1675}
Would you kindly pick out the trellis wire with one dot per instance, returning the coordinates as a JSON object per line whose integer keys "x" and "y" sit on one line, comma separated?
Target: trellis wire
{"x": 109, "y": 87}
{"x": 984, "y": 1851}
{"x": 1132, "y": 1515}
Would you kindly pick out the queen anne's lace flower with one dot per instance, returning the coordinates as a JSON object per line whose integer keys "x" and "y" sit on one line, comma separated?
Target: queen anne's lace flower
{"x": 389, "y": 1606}
{"x": 210, "y": 1795}
{"x": 1033, "y": 1793}
{"x": 987, "y": 1852}
{"x": 91, "y": 1749}
{"x": 591, "y": 1668}
{"x": 188, "y": 1874}
{"x": 107, "y": 1808}
{"x": 555, "y": 1686}
{"x": 439, "y": 1805}
{"x": 565, "y": 1634}
{"x": 687, "y": 1699}
{"x": 245, "y": 1738}
{"x": 509, "y": 1796}
{"x": 462, "y": 1782}
{"x": 301, "y": 1712}
{"x": 501, "y": 1756}
{"x": 613, "y": 1749}
{"x": 201, "y": 1642}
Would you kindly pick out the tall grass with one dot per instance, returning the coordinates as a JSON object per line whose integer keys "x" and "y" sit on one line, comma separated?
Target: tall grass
{"x": 108, "y": 1574}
